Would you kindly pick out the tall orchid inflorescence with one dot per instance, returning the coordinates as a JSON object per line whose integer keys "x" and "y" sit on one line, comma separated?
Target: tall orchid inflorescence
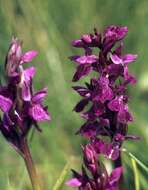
{"x": 104, "y": 105}
{"x": 21, "y": 107}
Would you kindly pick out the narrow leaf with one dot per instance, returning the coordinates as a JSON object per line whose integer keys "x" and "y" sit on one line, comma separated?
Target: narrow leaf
{"x": 137, "y": 160}
{"x": 59, "y": 183}
{"x": 136, "y": 174}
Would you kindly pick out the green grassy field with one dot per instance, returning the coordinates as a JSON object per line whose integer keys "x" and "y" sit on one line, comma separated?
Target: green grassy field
{"x": 49, "y": 26}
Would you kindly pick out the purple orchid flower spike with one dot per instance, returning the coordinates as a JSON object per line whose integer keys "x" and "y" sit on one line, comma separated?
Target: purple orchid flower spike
{"x": 21, "y": 108}
{"x": 104, "y": 103}
{"x": 99, "y": 178}
{"x": 105, "y": 96}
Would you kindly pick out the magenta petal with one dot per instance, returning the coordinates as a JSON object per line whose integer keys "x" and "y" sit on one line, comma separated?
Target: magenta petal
{"x": 26, "y": 93}
{"x": 5, "y": 103}
{"x": 74, "y": 182}
{"x": 115, "y": 104}
{"x": 112, "y": 152}
{"x": 29, "y": 73}
{"x": 128, "y": 77}
{"x": 116, "y": 32}
{"x": 115, "y": 175}
{"x": 115, "y": 59}
{"x": 38, "y": 113}
{"x": 77, "y": 43}
{"x": 86, "y": 59}
{"x": 129, "y": 58}
{"x": 28, "y": 56}
{"x": 87, "y": 38}
{"x": 39, "y": 96}
{"x": 107, "y": 94}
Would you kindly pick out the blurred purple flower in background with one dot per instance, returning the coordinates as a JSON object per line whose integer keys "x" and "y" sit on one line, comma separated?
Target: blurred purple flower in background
{"x": 21, "y": 107}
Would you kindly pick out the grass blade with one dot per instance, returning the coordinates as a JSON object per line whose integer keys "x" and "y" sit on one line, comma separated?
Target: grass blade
{"x": 138, "y": 161}
{"x": 136, "y": 174}
{"x": 59, "y": 183}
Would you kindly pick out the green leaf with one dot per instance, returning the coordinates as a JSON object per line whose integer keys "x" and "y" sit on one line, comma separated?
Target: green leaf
{"x": 136, "y": 174}
{"x": 137, "y": 160}
{"x": 59, "y": 183}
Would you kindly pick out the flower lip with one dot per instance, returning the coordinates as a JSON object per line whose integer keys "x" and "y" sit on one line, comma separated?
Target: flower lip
{"x": 28, "y": 56}
{"x": 5, "y": 103}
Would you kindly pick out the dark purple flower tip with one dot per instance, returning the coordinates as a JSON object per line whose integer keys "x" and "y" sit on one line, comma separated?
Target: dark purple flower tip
{"x": 38, "y": 113}
{"x": 116, "y": 32}
{"x": 88, "y": 129}
{"x": 6, "y": 124}
{"x": 81, "y": 105}
{"x": 28, "y": 56}
{"x": 115, "y": 70}
{"x": 13, "y": 57}
{"x": 5, "y": 104}
{"x": 82, "y": 70}
{"x": 82, "y": 91}
{"x": 78, "y": 43}
{"x": 132, "y": 137}
{"x": 98, "y": 108}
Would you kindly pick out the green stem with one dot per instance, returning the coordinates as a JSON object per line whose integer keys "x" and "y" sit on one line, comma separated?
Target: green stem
{"x": 30, "y": 165}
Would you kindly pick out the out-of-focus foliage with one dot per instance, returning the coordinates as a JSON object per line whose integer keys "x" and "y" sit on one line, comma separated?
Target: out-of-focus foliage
{"x": 48, "y": 26}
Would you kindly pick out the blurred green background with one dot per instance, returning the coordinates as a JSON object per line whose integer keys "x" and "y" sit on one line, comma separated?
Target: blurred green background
{"x": 49, "y": 26}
